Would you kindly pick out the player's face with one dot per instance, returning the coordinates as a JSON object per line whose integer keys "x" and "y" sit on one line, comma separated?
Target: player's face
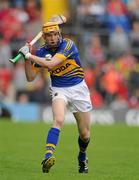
{"x": 52, "y": 38}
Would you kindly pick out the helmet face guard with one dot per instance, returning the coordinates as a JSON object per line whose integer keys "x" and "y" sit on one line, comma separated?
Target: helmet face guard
{"x": 51, "y": 27}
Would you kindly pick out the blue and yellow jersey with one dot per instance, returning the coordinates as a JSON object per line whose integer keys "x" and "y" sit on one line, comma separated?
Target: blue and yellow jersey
{"x": 69, "y": 72}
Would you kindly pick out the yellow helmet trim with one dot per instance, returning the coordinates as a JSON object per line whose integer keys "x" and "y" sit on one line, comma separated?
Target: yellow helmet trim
{"x": 49, "y": 27}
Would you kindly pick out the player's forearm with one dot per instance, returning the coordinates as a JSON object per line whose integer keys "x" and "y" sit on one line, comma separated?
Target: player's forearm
{"x": 44, "y": 62}
{"x": 38, "y": 60}
{"x": 30, "y": 72}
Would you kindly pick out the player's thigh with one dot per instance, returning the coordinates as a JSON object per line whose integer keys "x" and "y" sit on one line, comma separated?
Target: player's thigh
{"x": 58, "y": 109}
{"x": 83, "y": 120}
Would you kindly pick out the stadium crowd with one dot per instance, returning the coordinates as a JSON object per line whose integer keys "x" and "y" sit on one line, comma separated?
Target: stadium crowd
{"x": 107, "y": 34}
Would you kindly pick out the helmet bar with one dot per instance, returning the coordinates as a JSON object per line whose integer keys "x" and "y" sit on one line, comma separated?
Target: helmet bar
{"x": 49, "y": 27}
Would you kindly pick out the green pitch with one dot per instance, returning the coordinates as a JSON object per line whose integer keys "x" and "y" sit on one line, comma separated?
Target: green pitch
{"x": 113, "y": 152}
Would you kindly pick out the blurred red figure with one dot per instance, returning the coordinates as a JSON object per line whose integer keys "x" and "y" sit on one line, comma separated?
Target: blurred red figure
{"x": 116, "y": 8}
{"x": 110, "y": 80}
{"x": 97, "y": 99}
{"x": 89, "y": 77}
{"x": 12, "y": 21}
{"x": 5, "y": 79}
{"x": 32, "y": 10}
{"x": 114, "y": 83}
{"x": 117, "y": 15}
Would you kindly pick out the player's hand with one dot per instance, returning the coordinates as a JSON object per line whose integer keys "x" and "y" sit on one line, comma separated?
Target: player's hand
{"x": 25, "y": 51}
{"x": 30, "y": 47}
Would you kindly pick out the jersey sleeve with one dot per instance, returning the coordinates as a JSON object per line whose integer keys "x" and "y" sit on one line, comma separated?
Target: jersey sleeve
{"x": 66, "y": 50}
{"x": 39, "y": 54}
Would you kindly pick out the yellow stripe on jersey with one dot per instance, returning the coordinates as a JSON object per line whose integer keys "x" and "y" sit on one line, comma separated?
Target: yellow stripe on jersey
{"x": 61, "y": 56}
{"x": 66, "y": 68}
{"x": 74, "y": 70}
{"x": 43, "y": 45}
{"x": 73, "y": 62}
{"x": 69, "y": 54}
{"x": 76, "y": 73}
{"x": 81, "y": 76}
{"x": 69, "y": 44}
{"x": 52, "y": 145}
{"x": 49, "y": 151}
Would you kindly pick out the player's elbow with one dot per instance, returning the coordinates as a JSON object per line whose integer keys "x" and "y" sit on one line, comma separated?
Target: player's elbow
{"x": 29, "y": 78}
{"x": 53, "y": 62}
{"x": 50, "y": 66}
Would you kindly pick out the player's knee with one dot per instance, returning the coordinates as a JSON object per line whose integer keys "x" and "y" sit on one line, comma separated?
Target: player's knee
{"x": 58, "y": 121}
{"x": 85, "y": 136}
{"x": 85, "y": 139}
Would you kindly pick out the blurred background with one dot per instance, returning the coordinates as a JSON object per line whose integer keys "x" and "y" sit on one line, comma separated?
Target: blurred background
{"x": 107, "y": 35}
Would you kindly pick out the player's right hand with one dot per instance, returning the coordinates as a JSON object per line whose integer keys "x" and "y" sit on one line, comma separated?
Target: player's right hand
{"x": 25, "y": 51}
{"x": 30, "y": 47}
